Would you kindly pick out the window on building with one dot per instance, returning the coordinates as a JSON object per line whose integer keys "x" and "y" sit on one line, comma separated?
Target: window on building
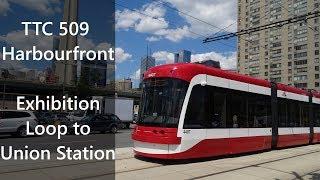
{"x": 300, "y": 85}
{"x": 300, "y": 62}
{"x": 300, "y": 47}
{"x": 299, "y": 55}
{"x": 300, "y": 77}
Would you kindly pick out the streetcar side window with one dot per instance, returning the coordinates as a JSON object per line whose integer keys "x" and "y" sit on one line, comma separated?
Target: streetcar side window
{"x": 197, "y": 110}
{"x": 217, "y": 108}
{"x": 304, "y": 114}
{"x": 293, "y": 113}
{"x": 316, "y": 112}
{"x": 206, "y": 108}
{"x": 258, "y": 108}
{"x": 282, "y": 113}
{"x": 237, "y": 110}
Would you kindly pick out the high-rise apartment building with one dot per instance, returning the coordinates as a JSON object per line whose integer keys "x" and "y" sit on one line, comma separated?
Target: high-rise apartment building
{"x": 287, "y": 54}
{"x": 182, "y": 56}
{"x": 146, "y": 63}
{"x": 66, "y": 70}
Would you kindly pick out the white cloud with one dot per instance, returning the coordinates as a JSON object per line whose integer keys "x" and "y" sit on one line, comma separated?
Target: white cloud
{"x": 4, "y": 7}
{"x": 136, "y": 75}
{"x": 174, "y": 35}
{"x": 8, "y": 64}
{"x": 121, "y": 55}
{"x": 150, "y": 25}
{"x": 219, "y": 13}
{"x": 86, "y": 44}
{"x": 153, "y": 38}
{"x": 20, "y": 41}
{"x": 164, "y": 56}
{"x": 227, "y": 60}
{"x": 103, "y": 46}
{"x": 44, "y": 7}
{"x": 126, "y": 19}
{"x": 151, "y": 20}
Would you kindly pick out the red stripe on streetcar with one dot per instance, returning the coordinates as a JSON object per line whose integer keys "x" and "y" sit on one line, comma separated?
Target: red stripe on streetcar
{"x": 228, "y": 146}
{"x": 316, "y": 138}
{"x": 157, "y": 135}
{"x": 293, "y": 140}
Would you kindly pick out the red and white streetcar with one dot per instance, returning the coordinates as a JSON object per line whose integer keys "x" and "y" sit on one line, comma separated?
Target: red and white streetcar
{"x": 194, "y": 111}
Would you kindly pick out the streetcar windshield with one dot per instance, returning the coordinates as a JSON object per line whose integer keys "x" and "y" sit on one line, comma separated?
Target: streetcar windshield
{"x": 162, "y": 101}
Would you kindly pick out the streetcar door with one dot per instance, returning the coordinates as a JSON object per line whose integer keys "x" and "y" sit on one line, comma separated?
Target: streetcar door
{"x": 194, "y": 126}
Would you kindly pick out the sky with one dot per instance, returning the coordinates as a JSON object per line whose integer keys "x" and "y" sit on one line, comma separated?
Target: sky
{"x": 165, "y": 26}
{"x": 169, "y": 26}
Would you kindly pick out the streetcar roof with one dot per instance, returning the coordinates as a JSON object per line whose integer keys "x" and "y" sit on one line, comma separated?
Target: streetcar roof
{"x": 186, "y": 71}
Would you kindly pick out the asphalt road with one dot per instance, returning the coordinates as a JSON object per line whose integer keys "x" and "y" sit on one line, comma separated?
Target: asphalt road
{"x": 98, "y": 141}
{"x": 298, "y": 163}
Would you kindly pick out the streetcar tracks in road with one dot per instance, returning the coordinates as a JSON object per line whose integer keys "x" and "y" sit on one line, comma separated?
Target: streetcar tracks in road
{"x": 125, "y": 171}
{"x": 208, "y": 175}
{"x": 253, "y": 165}
{"x": 34, "y": 164}
{"x": 146, "y": 167}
